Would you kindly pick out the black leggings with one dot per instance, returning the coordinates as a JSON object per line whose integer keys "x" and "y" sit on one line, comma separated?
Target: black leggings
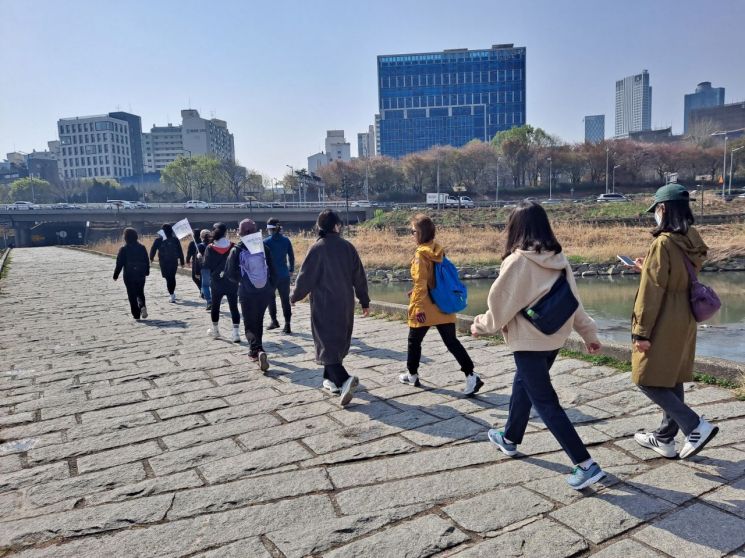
{"x": 283, "y": 286}
{"x": 136, "y": 295}
{"x": 232, "y": 296}
{"x": 253, "y": 308}
{"x": 447, "y": 332}
{"x": 170, "y": 278}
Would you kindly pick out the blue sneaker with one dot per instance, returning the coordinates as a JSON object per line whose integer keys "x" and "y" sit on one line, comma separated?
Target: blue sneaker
{"x": 496, "y": 437}
{"x": 582, "y": 478}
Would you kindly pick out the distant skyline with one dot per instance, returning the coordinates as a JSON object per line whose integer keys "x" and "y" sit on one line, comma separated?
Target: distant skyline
{"x": 283, "y": 74}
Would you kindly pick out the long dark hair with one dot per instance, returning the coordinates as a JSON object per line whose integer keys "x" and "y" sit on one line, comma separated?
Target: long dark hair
{"x": 327, "y": 220}
{"x": 528, "y": 229}
{"x": 677, "y": 218}
{"x": 219, "y": 230}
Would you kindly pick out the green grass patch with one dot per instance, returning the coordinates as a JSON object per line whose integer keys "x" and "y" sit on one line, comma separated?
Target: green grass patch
{"x": 599, "y": 360}
{"x": 6, "y": 267}
{"x": 714, "y": 381}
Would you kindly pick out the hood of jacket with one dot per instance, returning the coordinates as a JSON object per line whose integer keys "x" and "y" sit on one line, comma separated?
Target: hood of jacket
{"x": 548, "y": 259}
{"x": 691, "y": 244}
{"x": 222, "y": 246}
{"x": 431, "y": 251}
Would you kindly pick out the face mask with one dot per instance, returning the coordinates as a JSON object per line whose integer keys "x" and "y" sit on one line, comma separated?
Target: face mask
{"x": 658, "y": 217}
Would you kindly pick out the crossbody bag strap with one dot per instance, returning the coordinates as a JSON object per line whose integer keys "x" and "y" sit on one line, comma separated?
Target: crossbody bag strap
{"x": 688, "y": 264}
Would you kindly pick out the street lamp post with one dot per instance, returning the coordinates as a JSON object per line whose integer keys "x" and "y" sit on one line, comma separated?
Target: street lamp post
{"x": 731, "y": 158}
{"x": 614, "y": 178}
{"x": 607, "y": 154}
{"x": 191, "y": 182}
{"x": 724, "y": 163}
{"x": 496, "y": 199}
{"x": 292, "y": 173}
{"x": 550, "y": 184}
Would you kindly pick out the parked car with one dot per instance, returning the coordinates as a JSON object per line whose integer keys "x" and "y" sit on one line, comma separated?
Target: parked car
{"x": 612, "y": 198}
{"x": 23, "y": 205}
{"x": 196, "y": 204}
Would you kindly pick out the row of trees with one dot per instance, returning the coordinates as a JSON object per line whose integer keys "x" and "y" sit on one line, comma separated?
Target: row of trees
{"x": 79, "y": 191}
{"x": 211, "y": 179}
{"x": 521, "y": 158}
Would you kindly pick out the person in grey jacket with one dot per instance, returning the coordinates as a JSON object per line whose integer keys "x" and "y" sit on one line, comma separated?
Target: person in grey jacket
{"x": 332, "y": 274}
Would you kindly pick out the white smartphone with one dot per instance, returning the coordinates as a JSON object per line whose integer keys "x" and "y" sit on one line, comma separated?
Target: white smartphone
{"x": 627, "y": 261}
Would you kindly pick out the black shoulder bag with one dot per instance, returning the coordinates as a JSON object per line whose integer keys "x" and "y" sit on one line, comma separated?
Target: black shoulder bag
{"x": 553, "y": 310}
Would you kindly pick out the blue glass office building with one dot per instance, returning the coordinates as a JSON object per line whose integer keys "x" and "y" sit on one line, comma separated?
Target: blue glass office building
{"x": 449, "y": 98}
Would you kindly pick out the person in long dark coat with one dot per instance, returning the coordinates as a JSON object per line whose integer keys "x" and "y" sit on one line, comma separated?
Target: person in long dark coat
{"x": 132, "y": 259}
{"x": 170, "y": 255}
{"x": 333, "y": 275}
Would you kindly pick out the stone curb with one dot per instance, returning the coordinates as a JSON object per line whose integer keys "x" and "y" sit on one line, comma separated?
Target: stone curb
{"x": 2, "y": 261}
{"x": 181, "y": 270}
{"x": 717, "y": 367}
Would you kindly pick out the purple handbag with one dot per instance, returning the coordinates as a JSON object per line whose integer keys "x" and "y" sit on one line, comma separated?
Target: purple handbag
{"x": 704, "y": 301}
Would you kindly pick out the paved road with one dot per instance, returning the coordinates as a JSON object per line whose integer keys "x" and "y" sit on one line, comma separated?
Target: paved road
{"x": 121, "y": 438}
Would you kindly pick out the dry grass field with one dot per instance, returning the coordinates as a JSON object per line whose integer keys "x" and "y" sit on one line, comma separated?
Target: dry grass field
{"x": 480, "y": 246}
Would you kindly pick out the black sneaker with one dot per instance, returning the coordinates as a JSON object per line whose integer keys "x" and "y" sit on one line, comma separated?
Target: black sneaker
{"x": 273, "y": 325}
{"x": 287, "y": 329}
{"x": 209, "y": 307}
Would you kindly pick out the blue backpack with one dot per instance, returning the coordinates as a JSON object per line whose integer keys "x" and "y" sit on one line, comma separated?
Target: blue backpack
{"x": 449, "y": 293}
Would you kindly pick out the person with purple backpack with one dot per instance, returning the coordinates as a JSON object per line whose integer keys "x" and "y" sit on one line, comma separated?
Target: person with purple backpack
{"x": 663, "y": 325}
{"x": 256, "y": 277}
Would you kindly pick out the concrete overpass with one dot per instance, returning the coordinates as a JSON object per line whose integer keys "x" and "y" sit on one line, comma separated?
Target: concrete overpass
{"x": 23, "y": 222}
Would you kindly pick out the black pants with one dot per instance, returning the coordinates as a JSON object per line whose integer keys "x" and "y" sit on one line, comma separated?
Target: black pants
{"x": 532, "y": 388}
{"x": 447, "y": 332}
{"x": 136, "y": 295}
{"x": 253, "y": 308}
{"x": 336, "y": 373}
{"x": 283, "y": 286}
{"x": 197, "y": 280}
{"x": 232, "y": 295}
{"x": 675, "y": 413}
{"x": 170, "y": 277}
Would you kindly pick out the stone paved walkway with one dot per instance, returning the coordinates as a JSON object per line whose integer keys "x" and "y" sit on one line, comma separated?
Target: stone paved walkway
{"x": 120, "y": 438}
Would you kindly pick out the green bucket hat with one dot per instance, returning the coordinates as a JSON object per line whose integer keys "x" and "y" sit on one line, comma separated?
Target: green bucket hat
{"x": 669, "y": 192}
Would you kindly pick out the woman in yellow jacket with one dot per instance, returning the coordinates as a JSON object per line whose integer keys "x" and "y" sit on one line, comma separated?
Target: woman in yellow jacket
{"x": 424, "y": 313}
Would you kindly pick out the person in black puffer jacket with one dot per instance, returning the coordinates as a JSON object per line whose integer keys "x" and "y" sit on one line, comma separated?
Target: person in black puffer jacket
{"x": 170, "y": 254}
{"x": 132, "y": 259}
{"x": 257, "y": 277}
{"x": 215, "y": 258}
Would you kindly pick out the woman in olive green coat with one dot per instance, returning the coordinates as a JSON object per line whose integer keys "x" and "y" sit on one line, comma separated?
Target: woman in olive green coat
{"x": 663, "y": 328}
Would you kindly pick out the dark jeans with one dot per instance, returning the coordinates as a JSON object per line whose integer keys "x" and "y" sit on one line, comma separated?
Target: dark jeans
{"x": 136, "y": 296}
{"x": 170, "y": 281}
{"x": 232, "y": 296}
{"x": 532, "y": 388}
{"x": 336, "y": 373}
{"x": 283, "y": 286}
{"x": 675, "y": 413}
{"x": 447, "y": 332}
{"x": 253, "y": 308}
{"x": 206, "y": 279}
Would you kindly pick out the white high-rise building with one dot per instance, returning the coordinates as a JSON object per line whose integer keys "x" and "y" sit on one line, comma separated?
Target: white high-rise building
{"x": 94, "y": 146}
{"x": 195, "y": 136}
{"x": 633, "y": 104}
{"x": 366, "y": 143}
{"x": 337, "y": 147}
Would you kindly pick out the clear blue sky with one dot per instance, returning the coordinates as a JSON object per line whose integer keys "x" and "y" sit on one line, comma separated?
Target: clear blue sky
{"x": 283, "y": 72}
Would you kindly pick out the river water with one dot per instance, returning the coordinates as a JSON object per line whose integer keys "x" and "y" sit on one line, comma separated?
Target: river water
{"x": 610, "y": 300}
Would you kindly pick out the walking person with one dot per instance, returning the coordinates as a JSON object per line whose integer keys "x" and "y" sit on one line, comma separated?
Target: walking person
{"x": 424, "y": 313}
{"x": 215, "y": 259}
{"x": 533, "y": 263}
{"x": 132, "y": 259}
{"x": 195, "y": 254}
{"x": 333, "y": 275}
{"x": 663, "y": 329}
{"x": 170, "y": 255}
{"x": 255, "y": 277}
{"x": 284, "y": 264}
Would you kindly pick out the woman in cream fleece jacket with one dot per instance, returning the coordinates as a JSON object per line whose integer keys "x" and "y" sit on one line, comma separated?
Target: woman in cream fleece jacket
{"x": 531, "y": 264}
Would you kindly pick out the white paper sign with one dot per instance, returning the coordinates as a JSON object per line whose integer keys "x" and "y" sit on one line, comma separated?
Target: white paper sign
{"x": 253, "y": 242}
{"x": 182, "y": 229}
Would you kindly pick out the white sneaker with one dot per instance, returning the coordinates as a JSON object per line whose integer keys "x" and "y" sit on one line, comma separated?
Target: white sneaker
{"x": 649, "y": 440}
{"x": 143, "y": 312}
{"x": 214, "y": 331}
{"x": 263, "y": 361}
{"x": 331, "y": 386}
{"x": 696, "y": 440}
{"x": 410, "y": 379}
{"x": 473, "y": 384}
{"x": 173, "y": 297}
{"x": 236, "y": 338}
{"x": 347, "y": 390}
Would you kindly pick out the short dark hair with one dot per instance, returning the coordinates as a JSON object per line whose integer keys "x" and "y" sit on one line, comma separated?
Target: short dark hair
{"x": 677, "y": 218}
{"x": 528, "y": 228}
{"x": 168, "y": 230}
{"x": 327, "y": 220}
{"x": 424, "y": 226}
{"x": 273, "y": 221}
{"x": 130, "y": 235}
{"x": 219, "y": 230}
